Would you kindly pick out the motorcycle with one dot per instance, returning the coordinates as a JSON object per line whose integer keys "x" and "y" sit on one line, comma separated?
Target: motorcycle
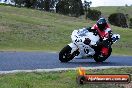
{"x": 84, "y": 44}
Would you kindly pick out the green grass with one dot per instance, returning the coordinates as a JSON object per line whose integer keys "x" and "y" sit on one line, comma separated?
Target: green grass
{"x": 124, "y": 45}
{"x": 64, "y": 79}
{"x": 23, "y": 29}
{"x": 107, "y": 10}
{"x": 35, "y": 30}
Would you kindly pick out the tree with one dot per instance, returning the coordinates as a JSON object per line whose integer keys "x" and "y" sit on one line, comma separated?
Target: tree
{"x": 93, "y": 14}
{"x": 70, "y": 7}
{"x": 26, "y": 3}
{"x": 76, "y": 8}
{"x": 62, "y": 7}
{"x": 18, "y": 2}
{"x": 29, "y": 3}
{"x": 126, "y": 5}
{"x": 53, "y": 3}
{"x": 45, "y": 4}
{"x": 87, "y": 7}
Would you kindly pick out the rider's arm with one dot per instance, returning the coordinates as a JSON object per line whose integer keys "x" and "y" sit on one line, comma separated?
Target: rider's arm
{"x": 107, "y": 38}
{"x": 108, "y": 34}
{"x": 92, "y": 30}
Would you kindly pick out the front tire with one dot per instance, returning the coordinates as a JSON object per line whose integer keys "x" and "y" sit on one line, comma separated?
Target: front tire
{"x": 97, "y": 57}
{"x": 64, "y": 55}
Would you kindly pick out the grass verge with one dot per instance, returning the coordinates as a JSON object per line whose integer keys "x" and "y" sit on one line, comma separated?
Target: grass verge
{"x": 64, "y": 79}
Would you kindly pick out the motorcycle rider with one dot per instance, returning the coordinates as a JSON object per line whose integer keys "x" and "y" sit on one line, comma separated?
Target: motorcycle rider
{"x": 104, "y": 31}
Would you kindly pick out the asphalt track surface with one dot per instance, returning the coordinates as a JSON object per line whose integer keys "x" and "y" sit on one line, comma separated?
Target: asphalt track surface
{"x": 42, "y": 60}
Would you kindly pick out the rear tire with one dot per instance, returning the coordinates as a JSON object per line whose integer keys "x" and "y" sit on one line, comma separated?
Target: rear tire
{"x": 64, "y": 55}
{"x": 97, "y": 57}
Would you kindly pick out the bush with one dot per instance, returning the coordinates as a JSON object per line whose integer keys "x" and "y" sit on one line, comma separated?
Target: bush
{"x": 118, "y": 19}
{"x": 93, "y": 14}
{"x": 130, "y": 23}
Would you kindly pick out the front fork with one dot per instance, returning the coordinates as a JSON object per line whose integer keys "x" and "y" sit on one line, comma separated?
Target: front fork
{"x": 73, "y": 47}
{"x": 84, "y": 50}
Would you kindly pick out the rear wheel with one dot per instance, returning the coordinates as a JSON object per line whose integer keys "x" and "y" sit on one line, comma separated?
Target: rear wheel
{"x": 99, "y": 58}
{"x": 65, "y": 54}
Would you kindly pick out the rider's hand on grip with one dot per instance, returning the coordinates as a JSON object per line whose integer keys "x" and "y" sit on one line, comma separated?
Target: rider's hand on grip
{"x": 87, "y": 41}
{"x": 104, "y": 43}
{"x": 95, "y": 32}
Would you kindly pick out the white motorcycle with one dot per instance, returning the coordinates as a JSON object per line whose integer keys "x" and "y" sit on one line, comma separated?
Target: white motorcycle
{"x": 84, "y": 44}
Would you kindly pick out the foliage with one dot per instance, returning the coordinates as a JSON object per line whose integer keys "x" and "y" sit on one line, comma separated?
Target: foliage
{"x": 26, "y": 3}
{"x": 107, "y": 10}
{"x": 18, "y": 3}
{"x": 87, "y": 4}
{"x": 70, "y": 7}
{"x": 130, "y": 24}
{"x": 29, "y": 3}
{"x": 38, "y": 4}
{"x": 62, "y": 7}
{"x": 66, "y": 7}
{"x": 45, "y": 4}
{"x": 93, "y": 14}
{"x": 118, "y": 19}
{"x": 86, "y": 7}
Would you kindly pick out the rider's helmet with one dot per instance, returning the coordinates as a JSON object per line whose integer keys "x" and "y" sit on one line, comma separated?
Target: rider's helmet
{"x": 102, "y": 23}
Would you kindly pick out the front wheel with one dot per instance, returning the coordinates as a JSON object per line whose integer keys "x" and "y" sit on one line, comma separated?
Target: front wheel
{"x": 65, "y": 54}
{"x": 97, "y": 57}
